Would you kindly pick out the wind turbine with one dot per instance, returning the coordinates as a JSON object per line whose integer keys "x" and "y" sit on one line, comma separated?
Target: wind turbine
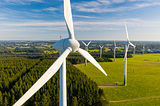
{"x": 125, "y": 58}
{"x": 143, "y": 48}
{"x": 100, "y": 50}
{"x": 115, "y": 50}
{"x": 64, "y": 46}
{"x": 60, "y": 37}
{"x": 134, "y": 49}
{"x": 86, "y": 48}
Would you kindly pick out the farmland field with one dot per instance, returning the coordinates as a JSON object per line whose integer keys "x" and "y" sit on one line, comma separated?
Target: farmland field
{"x": 143, "y": 80}
{"x": 50, "y": 52}
{"x": 95, "y": 50}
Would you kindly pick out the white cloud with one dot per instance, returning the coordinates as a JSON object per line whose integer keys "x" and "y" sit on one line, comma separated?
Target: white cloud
{"x": 80, "y": 23}
{"x": 43, "y": 29}
{"x": 76, "y": 23}
{"x": 144, "y": 0}
{"x": 82, "y": 16}
{"x": 51, "y": 9}
{"x": 21, "y": 2}
{"x": 86, "y": 4}
{"x": 36, "y": 1}
{"x": 118, "y": 1}
{"x": 33, "y": 23}
{"x": 101, "y": 6}
{"x": 132, "y": 0}
{"x": 106, "y": 2}
{"x": 141, "y": 5}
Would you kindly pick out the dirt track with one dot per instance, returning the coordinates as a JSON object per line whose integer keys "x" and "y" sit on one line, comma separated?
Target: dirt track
{"x": 136, "y": 99}
{"x": 108, "y": 86}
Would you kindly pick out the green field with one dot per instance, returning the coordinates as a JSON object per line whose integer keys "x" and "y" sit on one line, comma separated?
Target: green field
{"x": 120, "y": 49}
{"x": 143, "y": 83}
{"x": 107, "y": 49}
{"x": 50, "y": 52}
{"x": 11, "y": 48}
{"x": 95, "y": 50}
{"x": 25, "y": 47}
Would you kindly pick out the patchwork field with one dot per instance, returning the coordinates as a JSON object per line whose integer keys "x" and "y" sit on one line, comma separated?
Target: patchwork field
{"x": 143, "y": 80}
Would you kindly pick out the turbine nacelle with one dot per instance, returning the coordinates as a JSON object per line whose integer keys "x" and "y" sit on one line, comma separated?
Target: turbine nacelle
{"x": 126, "y": 43}
{"x": 64, "y": 43}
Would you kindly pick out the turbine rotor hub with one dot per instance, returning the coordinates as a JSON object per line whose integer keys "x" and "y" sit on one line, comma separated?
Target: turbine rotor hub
{"x": 64, "y": 43}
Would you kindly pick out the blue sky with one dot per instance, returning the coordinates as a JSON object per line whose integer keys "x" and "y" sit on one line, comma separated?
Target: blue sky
{"x": 93, "y": 19}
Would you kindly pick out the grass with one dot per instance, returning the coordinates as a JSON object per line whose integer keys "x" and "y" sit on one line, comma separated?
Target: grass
{"x": 20, "y": 52}
{"x": 120, "y": 49}
{"x": 144, "y": 102}
{"x": 48, "y": 46}
{"x": 25, "y": 47}
{"x": 11, "y": 48}
{"x": 142, "y": 82}
{"x": 98, "y": 50}
{"x": 40, "y": 47}
{"x": 50, "y": 52}
{"x": 107, "y": 49}
{"x": 95, "y": 50}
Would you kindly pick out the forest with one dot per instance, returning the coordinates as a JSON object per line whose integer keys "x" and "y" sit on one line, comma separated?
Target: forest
{"x": 18, "y": 75}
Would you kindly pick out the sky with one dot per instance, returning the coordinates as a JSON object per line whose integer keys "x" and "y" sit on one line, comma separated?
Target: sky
{"x": 93, "y": 19}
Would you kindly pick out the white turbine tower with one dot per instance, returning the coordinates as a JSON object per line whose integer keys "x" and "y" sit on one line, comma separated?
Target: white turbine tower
{"x": 60, "y": 37}
{"x": 64, "y": 46}
{"x": 86, "y": 48}
{"x": 125, "y": 58}
{"x": 134, "y": 49}
{"x": 100, "y": 50}
{"x": 115, "y": 50}
{"x": 143, "y": 48}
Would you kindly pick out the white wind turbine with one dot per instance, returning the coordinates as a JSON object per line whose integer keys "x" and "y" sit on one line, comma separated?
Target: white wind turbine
{"x": 125, "y": 58}
{"x": 60, "y": 37}
{"x": 143, "y": 48}
{"x": 64, "y": 46}
{"x": 100, "y": 50}
{"x": 86, "y": 48}
{"x": 115, "y": 50}
{"x": 134, "y": 49}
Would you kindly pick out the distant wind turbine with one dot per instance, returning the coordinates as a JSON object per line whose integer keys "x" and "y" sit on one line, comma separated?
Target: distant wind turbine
{"x": 60, "y": 37}
{"x": 64, "y": 46}
{"x": 115, "y": 50}
{"x": 100, "y": 50}
{"x": 143, "y": 48}
{"x": 134, "y": 49}
{"x": 125, "y": 58}
{"x": 86, "y": 48}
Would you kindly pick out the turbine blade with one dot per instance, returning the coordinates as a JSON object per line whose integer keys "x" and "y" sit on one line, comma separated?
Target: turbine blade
{"x": 86, "y": 55}
{"x": 68, "y": 18}
{"x": 126, "y": 51}
{"x": 84, "y": 43}
{"x": 114, "y": 43}
{"x": 44, "y": 78}
{"x": 126, "y": 32}
{"x": 88, "y": 43}
{"x": 100, "y": 46}
{"x": 131, "y": 44}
